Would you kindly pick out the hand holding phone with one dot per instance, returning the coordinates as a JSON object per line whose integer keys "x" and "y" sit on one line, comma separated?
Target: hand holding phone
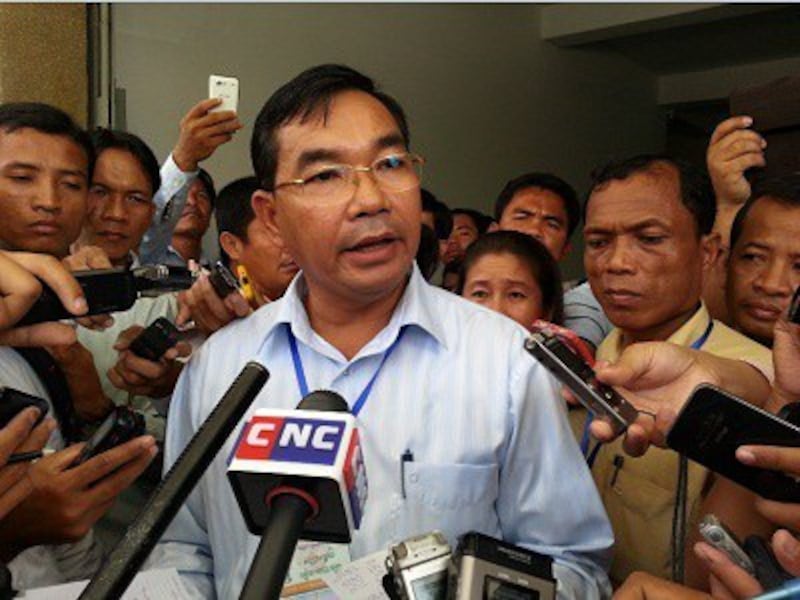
{"x": 155, "y": 340}
{"x": 120, "y": 426}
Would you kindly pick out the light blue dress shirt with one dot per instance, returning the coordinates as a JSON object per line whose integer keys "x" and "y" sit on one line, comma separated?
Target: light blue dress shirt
{"x": 493, "y": 451}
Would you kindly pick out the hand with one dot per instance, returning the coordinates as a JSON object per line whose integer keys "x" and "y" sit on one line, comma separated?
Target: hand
{"x": 19, "y": 289}
{"x": 201, "y": 304}
{"x": 85, "y": 388}
{"x": 644, "y": 586}
{"x": 85, "y": 258}
{"x": 728, "y": 580}
{"x": 202, "y": 132}
{"x": 786, "y": 358}
{"x": 776, "y": 458}
{"x": 144, "y": 377}
{"x": 66, "y": 502}
{"x": 732, "y": 150}
{"x": 20, "y": 435}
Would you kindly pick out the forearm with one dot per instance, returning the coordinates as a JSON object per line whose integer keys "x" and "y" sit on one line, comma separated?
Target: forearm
{"x": 738, "y": 378}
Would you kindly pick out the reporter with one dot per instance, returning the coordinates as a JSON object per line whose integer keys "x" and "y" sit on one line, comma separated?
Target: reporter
{"x": 63, "y": 506}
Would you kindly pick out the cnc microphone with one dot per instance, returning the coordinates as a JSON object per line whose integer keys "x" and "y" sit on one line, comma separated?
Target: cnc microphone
{"x": 132, "y": 550}
{"x": 297, "y": 474}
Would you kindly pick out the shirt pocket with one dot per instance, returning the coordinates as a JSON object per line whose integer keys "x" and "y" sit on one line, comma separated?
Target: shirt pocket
{"x": 450, "y": 486}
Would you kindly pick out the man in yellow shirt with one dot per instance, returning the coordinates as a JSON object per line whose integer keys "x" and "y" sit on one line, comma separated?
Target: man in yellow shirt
{"x": 648, "y": 245}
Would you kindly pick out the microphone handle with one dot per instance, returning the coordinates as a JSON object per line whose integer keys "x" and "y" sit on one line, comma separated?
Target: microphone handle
{"x": 120, "y": 567}
{"x": 287, "y": 516}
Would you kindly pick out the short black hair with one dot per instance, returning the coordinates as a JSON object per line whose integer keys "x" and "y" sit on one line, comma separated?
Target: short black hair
{"x": 46, "y": 119}
{"x": 234, "y": 210}
{"x": 545, "y": 181}
{"x": 428, "y": 252}
{"x": 482, "y": 222}
{"x": 534, "y": 254}
{"x": 109, "y": 139}
{"x": 442, "y": 219}
{"x": 208, "y": 183}
{"x": 697, "y": 195}
{"x": 303, "y": 96}
{"x": 785, "y": 189}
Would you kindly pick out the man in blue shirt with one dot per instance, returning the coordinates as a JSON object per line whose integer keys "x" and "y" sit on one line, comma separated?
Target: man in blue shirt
{"x": 482, "y": 422}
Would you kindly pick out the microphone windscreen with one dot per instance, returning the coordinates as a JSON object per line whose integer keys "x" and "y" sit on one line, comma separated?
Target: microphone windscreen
{"x": 324, "y": 400}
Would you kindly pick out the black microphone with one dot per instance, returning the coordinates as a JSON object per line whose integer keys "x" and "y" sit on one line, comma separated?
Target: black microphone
{"x": 297, "y": 475}
{"x": 132, "y": 550}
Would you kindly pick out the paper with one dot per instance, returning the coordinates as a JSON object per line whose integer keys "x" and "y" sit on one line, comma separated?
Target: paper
{"x": 311, "y": 561}
{"x": 155, "y": 584}
{"x": 360, "y": 579}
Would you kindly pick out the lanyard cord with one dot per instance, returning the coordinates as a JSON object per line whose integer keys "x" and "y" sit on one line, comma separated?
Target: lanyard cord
{"x": 302, "y": 382}
{"x": 678, "y": 542}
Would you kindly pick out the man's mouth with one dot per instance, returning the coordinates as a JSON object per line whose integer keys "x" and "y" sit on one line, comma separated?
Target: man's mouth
{"x": 112, "y": 236}
{"x": 373, "y": 243}
{"x": 762, "y": 311}
{"x": 46, "y": 227}
{"x": 619, "y": 296}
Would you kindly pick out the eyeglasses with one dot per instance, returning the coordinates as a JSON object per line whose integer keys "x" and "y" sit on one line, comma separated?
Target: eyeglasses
{"x": 393, "y": 173}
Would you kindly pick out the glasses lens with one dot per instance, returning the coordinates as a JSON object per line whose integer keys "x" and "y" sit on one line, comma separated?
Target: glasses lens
{"x": 329, "y": 182}
{"x": 398, "y": 172}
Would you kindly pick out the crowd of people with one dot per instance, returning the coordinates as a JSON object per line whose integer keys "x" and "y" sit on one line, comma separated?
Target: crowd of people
{"x": 361, "y": 281}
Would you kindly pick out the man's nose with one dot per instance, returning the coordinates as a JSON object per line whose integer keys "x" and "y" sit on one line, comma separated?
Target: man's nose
{"x": 774, "y": 279}
{"x": 619, "y": 257}
{"x": 47, "y": 197}
{"x": 114, "y": 208}
{"x": 368, "y": 197}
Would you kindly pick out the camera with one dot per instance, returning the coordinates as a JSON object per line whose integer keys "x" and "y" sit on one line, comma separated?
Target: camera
{"x": 485, "y": 568}
{"x": 120, "y": 426}
{"x": 419, "y": 567}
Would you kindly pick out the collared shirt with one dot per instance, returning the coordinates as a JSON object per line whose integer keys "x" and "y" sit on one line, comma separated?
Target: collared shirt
{"x": 639, "y": 493}
{"x": 487, "y": 428}
{"x": 170, "y": 200}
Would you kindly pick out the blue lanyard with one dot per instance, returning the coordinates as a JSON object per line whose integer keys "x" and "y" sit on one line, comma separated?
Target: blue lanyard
{"x": 300, "y": 373}
{"x": 590, "y": 457}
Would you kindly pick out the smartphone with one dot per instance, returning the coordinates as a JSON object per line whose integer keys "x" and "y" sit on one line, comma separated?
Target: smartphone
{"x": 120, "y": 426}
{"x": 12, "y": 402}
{"x": 714, "y": 423}
{"x": 106, "y": 291}
{"x": 155, "y": 340}
{"x": 578, "y": 376}
{"x": 723, "y": 539}
{"x": 222, "y": 280}
{"x": 766, "y": 567}
{"x": 794, "y": 307}
{"x": 226, "y": 88}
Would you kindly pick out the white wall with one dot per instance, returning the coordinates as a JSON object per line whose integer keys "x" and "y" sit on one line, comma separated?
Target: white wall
{"x": 486, "y": 98}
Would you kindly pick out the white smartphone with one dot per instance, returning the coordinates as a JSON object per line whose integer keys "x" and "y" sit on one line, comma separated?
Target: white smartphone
{"x": 226, "y": 88}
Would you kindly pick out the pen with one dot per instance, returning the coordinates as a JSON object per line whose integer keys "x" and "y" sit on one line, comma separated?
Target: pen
{"x": 407, "y": 456}
{"x": 26, "y": 456}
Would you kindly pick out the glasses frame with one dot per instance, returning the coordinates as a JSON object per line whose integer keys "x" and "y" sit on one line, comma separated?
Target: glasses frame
{"x": 416, "y": 159}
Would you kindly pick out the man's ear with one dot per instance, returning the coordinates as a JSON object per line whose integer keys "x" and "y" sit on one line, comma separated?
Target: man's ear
{"x": 263, "y": 203}
{"x": 711, "y": 247}
{"x": 231, "y": 244}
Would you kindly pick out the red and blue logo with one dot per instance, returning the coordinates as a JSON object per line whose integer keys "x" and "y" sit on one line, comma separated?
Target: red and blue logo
{"x": 291, "y": 439}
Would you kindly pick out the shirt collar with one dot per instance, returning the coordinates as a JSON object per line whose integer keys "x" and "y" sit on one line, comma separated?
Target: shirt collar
{"x": 416, "y": 308}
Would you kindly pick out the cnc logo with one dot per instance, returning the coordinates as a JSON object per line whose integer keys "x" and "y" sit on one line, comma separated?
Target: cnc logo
{"x": 291, "y": 439}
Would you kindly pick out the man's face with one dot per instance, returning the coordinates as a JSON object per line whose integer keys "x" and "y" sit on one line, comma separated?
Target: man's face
{"x": 120, "y": 204}
{"x": 270, "y": 267}
{"x": 541, "y": 214}
{"x": 358, "y": 247}
{"x": 196, "y": 214}
{"x": 43, "y": 185}
{"x": 465, "y": 231}
{"x": 764, "y": 268}
{"x": 643, "y": 258}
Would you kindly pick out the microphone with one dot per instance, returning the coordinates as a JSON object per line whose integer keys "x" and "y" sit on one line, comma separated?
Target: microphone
{"x": 297, "y": 474}
{"x": 132, "y": 550}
